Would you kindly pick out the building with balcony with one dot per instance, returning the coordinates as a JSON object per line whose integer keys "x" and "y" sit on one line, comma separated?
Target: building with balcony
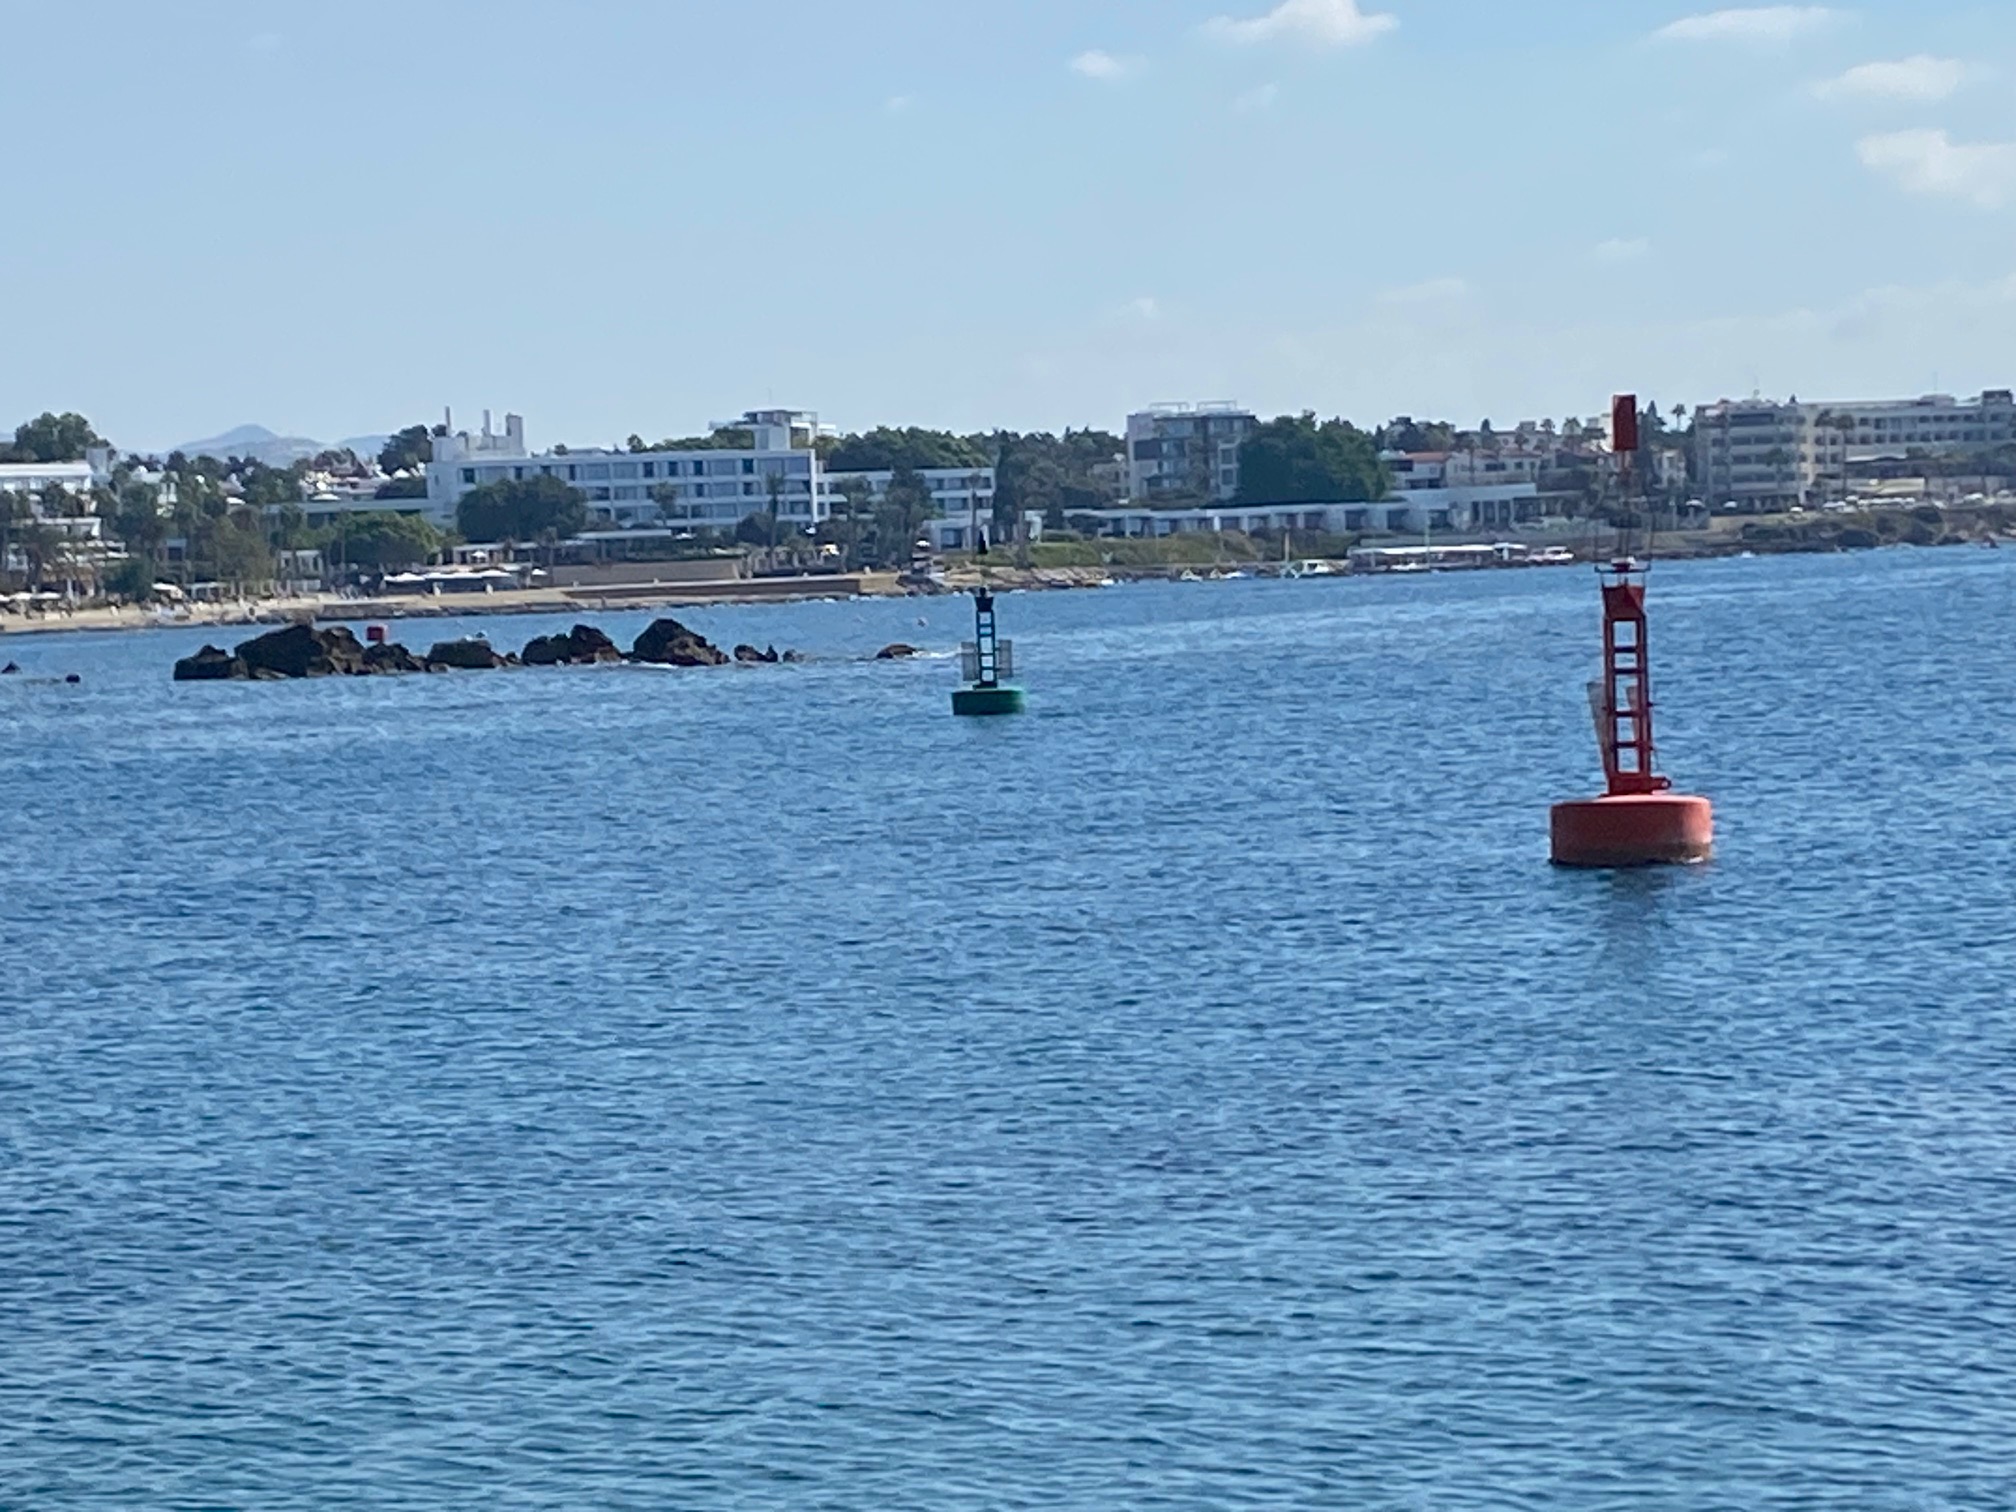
{"x": 1937, "y": 424}
{"x": 1186, "y": 453}
{"x": 714, "y": 488}
{"x": 1749, "y": 453}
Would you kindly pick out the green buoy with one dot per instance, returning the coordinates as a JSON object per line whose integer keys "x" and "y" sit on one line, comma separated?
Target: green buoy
{"x": 985, "y": 661}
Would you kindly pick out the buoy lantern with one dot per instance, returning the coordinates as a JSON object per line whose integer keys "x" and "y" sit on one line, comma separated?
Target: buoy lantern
{"x": 986, "y": 662}
{"x": 1640, "y": 821}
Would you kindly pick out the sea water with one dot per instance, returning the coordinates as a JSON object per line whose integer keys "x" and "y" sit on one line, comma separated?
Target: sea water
{"x": 755, "y": 1088}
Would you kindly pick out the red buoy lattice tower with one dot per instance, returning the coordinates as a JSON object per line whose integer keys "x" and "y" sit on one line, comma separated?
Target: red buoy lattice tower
{"x": 1640, "y": 820}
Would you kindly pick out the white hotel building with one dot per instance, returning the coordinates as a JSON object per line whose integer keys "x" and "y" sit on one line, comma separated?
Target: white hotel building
{"x": 712, "y": 489}
{"x": 1759, "y": 454}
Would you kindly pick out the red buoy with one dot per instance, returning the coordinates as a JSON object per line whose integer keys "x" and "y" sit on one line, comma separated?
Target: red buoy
{"x": 1640, "y": 821}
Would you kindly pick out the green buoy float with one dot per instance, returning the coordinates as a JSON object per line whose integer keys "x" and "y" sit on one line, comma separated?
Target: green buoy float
{"x": 984, "y": 662}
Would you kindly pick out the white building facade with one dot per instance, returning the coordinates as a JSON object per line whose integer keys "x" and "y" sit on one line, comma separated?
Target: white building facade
{"x": 1748, "y": 453}
{"x": 1936, "y": 423}
{"x": 713, "y": 488}
{"x": 45, "y": 479}
{"x": 1407, "y": 512}
{"x": 699, "y": 489}
{"x": 1758, "y": 454}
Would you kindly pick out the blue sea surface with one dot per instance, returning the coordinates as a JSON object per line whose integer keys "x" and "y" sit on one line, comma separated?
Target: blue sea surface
{"x": 755, "y": 1088}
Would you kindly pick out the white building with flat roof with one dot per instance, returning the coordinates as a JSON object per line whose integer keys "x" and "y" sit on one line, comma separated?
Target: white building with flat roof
{"x": 714, "y": 488}
{"x": 1936, "y": 423}
{"x": 1406, "y": 512}
{"x": 1759, "y": 454}
{"x": 42, "y": 477}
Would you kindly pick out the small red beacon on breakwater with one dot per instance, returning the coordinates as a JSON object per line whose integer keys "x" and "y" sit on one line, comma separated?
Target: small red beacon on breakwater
{"x": 1640, "y": 820}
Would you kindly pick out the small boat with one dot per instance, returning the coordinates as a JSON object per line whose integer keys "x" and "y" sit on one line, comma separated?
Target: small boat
{"x": 1312, "y": 567}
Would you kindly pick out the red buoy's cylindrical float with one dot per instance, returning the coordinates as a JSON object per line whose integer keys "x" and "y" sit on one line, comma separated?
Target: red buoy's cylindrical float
{"x": 1634, "y": 829}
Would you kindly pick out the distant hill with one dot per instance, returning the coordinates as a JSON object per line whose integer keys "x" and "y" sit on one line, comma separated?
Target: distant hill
{"x": 256, "y": 442}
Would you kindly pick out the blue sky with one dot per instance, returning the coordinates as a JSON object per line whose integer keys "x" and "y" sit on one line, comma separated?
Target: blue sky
{"x": 615, "y": 216}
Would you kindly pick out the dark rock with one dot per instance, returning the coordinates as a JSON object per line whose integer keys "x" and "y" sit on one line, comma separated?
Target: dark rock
{"x": 1853, "y": 539}
{"x": 670, "y": 643}
{"x": 897, "y": 652}
{"x": 9, "y": 670}
{"x": 582, "y": 646}
{"x": 390, "y": 656}
{"x": 464, "y": 656}
{"x": 72, "y": 678}
{"x": 794, "y": 656}
{"x": 304, "y": 651}
{"x": 267, "y": 674}
{"x": 751, "y": 654}
{"x": 211, "y": 664}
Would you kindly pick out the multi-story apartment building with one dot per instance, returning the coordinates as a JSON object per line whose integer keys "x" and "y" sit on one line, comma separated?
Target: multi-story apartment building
{"x": 717, "y": 488}
{"x": 1936, "y": 423}
{"x": 1748, "y": 453}
{"x": 705, "y": 488}
{"x": 1741, "y": 448}
{"x": 1186, "y": 452}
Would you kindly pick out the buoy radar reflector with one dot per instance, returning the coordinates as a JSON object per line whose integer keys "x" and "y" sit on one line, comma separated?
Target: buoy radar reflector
{"x": 986, "y": 663}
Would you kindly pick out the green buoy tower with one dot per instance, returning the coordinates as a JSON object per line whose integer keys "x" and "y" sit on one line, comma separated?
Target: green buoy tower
{"x": 984, "y": 662}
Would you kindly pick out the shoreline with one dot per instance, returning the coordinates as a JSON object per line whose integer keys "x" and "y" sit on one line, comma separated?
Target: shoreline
{"x": 245, "y": 614}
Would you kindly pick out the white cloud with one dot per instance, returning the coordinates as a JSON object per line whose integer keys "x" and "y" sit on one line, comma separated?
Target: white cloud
{"x": 1324, "y": 23}
{"x": 1256, "y": 100}
{"x": 1621, "y": 249}
{"x": 1430, "y": 291}
{"x": 1768, "y": 23}
{"x": 1931, "y": 162}
{"x": 1922, "y": 78}
{"x": 1143, "y": 311}
{"x": 1104, "y": 66}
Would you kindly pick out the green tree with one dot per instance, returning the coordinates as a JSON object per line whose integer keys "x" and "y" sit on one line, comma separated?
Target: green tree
{"x": 135, "y": 518}
{"x": 757, "y": 529}
{"x": 732, "y": 439}
{"x": 855, "y": 504}
{"x": 773, "y": 487}
{"x": 236, "y": 548}
{"x": 1051, "y": 475}
{"x": 132, "y": 579}
{"x": 384, "y": 540}
{"x": 886, "y": 450}
{"x": 411, "y": 487}
{"x": 410, "y": 450}
{"x": 1295, "y": 460}
{"x": 262, "y": 485}
{"x": 900, "y": 515}
{"x": 521, "y": 510}
{"x": 1406, "y": 434}
{"x": 52, "y": 438}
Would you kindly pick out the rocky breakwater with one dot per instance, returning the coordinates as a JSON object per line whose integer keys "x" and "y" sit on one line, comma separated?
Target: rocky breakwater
{"x": 583, "y": 646}
{"x": 670, "y": 644}
{"x": 304, "y": 651}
